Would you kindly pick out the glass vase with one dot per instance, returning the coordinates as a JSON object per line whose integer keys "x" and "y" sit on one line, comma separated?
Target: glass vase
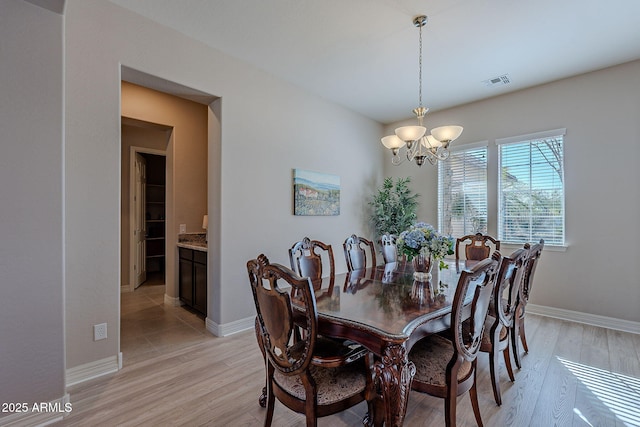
{"x": 422, "y": 264}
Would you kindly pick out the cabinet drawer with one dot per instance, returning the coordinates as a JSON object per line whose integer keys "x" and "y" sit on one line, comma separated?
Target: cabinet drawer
{"x": 200, "y": 257}
{"x": 185, "y": 253}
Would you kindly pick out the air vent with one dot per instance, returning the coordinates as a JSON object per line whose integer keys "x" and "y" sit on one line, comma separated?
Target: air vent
{"x": 498, "y": 81}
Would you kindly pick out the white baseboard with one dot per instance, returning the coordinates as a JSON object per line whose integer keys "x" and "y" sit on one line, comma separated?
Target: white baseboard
{"x": 92, "y": 370}
{"x": 172, "y": 301}
{"x": 39, "y": 414}
{"x": 229, "y": 328}
{"x": 589, "y": 319}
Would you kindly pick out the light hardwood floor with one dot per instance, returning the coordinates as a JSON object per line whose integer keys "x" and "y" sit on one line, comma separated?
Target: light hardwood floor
{"x": 177, "y": 374}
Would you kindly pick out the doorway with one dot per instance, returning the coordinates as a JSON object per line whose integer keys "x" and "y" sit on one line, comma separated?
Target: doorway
{"x": 144, "y": 202}
{"x": 151, "y": 265}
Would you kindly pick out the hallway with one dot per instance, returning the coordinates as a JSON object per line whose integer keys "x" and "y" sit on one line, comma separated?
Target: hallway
{"x": 149, "y": 328}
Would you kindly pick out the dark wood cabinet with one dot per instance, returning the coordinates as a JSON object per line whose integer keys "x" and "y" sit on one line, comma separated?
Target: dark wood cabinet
{"x": 193, "y": 279}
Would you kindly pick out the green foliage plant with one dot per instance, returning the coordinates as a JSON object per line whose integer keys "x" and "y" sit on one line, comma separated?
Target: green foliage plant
{"x": 393, "y": 207}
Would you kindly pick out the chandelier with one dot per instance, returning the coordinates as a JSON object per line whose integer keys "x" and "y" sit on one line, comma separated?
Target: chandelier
{"x": 433, "y": 146}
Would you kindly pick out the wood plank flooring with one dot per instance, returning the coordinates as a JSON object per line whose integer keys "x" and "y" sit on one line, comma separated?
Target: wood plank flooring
{"x": 574, "y": 375}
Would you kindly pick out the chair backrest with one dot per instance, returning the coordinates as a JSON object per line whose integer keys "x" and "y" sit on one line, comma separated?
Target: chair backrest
{"x": 355, "y": 253}
{"x": 508, "y": 282}
{"x": 389, "y": 248}
{"x": 275, "y": 315}
{"x": 477, "y": 246}
{"x": 481, "y": 278}
{"x": 305, "y": 258}
{"x": 535, "y": 252}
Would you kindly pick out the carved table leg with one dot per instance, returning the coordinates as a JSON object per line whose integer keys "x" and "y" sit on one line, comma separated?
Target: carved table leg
{"x": 394, "y": 374}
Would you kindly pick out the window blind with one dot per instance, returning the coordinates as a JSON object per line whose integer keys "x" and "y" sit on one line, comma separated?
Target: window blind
{"x": 531, "y": 188}
{"x": 462, "y": 192}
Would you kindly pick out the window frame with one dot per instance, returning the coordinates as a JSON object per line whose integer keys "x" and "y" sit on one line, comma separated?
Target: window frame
{"x": 459, "y": 149}
{"x": 530, "y": 139}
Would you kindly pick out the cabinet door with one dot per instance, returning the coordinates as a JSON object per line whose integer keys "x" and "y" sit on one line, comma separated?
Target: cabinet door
{"x": 200, "y": 287}
{"x": 186, "y": 281}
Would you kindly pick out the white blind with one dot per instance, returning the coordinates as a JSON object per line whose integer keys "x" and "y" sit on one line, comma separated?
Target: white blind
{"x": 462, "y": 192}
{"x": 531, "y": 189}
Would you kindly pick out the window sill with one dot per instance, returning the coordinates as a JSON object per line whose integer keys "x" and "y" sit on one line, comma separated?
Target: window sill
{"x": 514, "y": 246}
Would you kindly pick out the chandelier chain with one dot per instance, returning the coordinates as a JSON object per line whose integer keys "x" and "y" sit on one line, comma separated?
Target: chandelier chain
{"x": 420, "y": 67}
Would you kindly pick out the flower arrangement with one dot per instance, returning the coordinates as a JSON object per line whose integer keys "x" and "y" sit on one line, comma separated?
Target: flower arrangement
{"x": 423, "y": 238}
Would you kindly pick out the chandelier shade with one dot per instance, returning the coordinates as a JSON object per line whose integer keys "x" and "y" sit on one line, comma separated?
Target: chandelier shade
{"x": 420, "y": 144}
{"x": 393, "y": 142}
{"x": 446, "y": 133}
{"x": 410, "y": 133}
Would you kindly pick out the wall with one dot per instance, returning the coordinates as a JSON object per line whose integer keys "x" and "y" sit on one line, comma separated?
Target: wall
{"x": 143, "y": 135}
{"x": 31, "y": 165}
{"x": 266, "y": 127}
{"x": 601, "y": 112}
{"x": 186, "y": 161}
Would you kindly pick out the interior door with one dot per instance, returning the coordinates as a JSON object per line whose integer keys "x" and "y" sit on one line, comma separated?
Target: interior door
{"x": 140, "y": 229}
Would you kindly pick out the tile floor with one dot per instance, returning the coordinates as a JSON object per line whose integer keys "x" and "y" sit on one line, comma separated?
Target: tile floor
{"x": 149, "y": 328}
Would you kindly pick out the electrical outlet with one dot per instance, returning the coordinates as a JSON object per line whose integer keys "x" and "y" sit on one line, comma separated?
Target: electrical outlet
{"x": 183, "y": 228}
{"x": 100, "y": 332}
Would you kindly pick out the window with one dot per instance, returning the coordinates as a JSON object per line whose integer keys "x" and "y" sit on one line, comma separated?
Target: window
{"x": 531, "y": 188}
{"x": 462, "y": 191}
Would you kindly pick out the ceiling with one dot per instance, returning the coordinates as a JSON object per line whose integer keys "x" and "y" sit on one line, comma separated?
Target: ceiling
{"x": 363, "y": 54}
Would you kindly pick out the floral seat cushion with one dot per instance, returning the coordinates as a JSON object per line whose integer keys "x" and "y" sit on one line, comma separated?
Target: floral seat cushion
{"x": 334, "y": 384}
{"x": 431, "y": 356}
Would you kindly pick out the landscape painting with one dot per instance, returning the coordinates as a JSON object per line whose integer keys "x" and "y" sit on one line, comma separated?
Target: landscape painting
{"x": 315, "y": 193}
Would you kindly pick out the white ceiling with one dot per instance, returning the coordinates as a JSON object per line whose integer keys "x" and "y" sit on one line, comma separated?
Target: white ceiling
{"x": 363, "y": 54}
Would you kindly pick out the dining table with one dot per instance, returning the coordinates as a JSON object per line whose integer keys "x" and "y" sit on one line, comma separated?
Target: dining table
{"x": 387, "y": 310}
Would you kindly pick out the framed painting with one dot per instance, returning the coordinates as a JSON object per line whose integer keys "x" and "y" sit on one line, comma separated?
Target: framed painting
{"x": 315, "y": 193}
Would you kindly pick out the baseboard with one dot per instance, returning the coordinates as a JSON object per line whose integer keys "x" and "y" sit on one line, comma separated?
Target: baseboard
{"x": 229, "y": 328}
{"x": 39, "y": 414}
{"x": 589, "y": 319}
{"x": 92, "y": 370}
{"x": 172, "y": 301}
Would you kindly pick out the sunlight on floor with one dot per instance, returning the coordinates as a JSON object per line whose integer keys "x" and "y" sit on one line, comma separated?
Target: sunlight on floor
{"x": 620, "y": 393}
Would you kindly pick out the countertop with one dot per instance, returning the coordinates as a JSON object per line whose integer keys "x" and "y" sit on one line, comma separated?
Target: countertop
{"x": 195, "y": 241}
{"x": 197, "y": 246}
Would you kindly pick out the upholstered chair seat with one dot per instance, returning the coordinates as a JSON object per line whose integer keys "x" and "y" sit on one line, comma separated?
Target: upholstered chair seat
{"x": 431, "y": 356}
{"x": 333, "y": 384}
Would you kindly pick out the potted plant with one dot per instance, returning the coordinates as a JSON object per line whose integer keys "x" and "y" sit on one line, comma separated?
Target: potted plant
{"x": 394, "y": 207}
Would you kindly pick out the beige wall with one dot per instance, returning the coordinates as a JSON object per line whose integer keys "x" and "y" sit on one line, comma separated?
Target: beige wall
{"x": 187, "y": 160}
{"x": 31, "y": 218}
{"x": 601, "y": 112}
{"x": 266, "y": 128}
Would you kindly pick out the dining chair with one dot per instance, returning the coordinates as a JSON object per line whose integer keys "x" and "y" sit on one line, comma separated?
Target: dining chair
{"x": 446, "y": 368}
{"x": 291, "y": 375}
{"x": 355, "y": 253}
{"x": 500, "y": 320}
{"x": 305, "y": 258}
{"x": 389, "y": 248}
{"x": 518, "y": 331}
{"x": 476, "y": 246}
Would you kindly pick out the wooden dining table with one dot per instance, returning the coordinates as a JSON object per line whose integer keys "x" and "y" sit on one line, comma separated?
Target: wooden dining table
{"x": 387, "y": 311}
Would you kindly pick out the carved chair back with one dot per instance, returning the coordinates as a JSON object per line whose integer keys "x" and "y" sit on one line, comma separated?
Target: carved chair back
{"x": 483, "y": 278}
{"x": 508, "y": 284}
{"x": 305, "y": 258}
{"x": 355, "y": 253}
{"x": 535, "y": 252}
{"x": 276, "y": 318}
{"x": 389, "y": 248}
{"x": 477, "y": 246}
